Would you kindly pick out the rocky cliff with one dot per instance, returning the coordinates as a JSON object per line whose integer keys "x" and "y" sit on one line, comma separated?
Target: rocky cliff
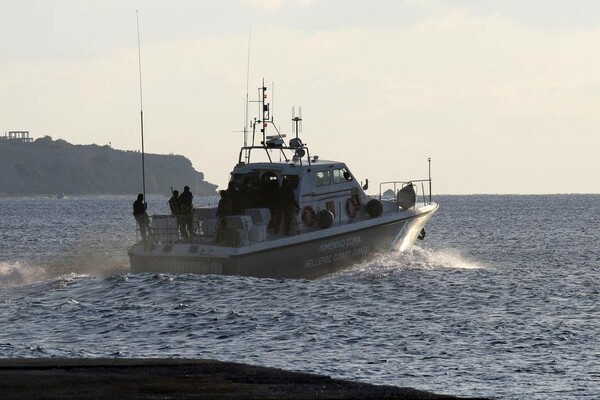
{"x": 48, "y": 166}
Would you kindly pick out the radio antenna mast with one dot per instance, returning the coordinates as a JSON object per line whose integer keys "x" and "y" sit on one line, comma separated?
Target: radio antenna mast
{"x": 141, "y": 105}
{"x": 297, "y": 121}
{"x": 247, "y": 99}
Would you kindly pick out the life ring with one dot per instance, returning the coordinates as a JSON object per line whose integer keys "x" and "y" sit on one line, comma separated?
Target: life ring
{"x": 352, "y": 207}
{"x": 374, "y": 208}
{"x": 325, "y": 219}
{"x": 308, "y": 216}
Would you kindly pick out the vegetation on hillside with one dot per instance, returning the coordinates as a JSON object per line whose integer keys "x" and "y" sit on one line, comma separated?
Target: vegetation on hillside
{"x": 48, "y": 166}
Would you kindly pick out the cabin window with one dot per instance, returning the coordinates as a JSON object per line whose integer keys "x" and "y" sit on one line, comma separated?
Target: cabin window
{"x": 269, "y": 178}
{"x": 341, "y": 175}
{"x": 237, "y": 179}
{"x": 322, "y": 178}
{"x": 293, "y": 181}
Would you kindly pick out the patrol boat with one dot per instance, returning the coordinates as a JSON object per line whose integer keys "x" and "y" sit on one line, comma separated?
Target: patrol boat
{"x": 288, "y": 214}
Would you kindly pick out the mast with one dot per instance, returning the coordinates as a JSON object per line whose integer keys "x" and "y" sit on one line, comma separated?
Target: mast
{"x": 264, "y": 110}
{"x": 141, "y": 106}
{"x": 429, "y": 162}
{"x": 247, "y": 99}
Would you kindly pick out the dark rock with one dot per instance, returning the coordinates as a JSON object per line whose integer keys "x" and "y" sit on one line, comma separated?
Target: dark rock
{"x": 54, "y": 378}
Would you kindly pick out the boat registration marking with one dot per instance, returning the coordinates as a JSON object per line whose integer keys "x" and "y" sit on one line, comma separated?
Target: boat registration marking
{"x": 339, "y": 244}
{"x": 340, "y": 255}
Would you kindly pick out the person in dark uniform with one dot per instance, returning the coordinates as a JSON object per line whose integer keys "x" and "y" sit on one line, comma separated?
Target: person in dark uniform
{"x": 269, "y": 191}
{"x": 139, "y": 213}
{"x": 224, "y": 209}
{"x": 249, "y": 192}
{"x": 289, "y": 207}
{"x": 187, "y": 210}
{"x": 175, "y": 206}
{"x": 235, "y": 197}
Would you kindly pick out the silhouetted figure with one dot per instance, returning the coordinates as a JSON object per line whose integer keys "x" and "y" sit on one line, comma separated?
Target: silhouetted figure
{"x": 175, "y": 206}
{"x": 289, "y": 207}
{"x": 276, "y": 211}
{"x": 249, "y": 192}
{"x": 235, "y": 196}
{"x": 187, "y": 210}
{"x": 139, "y": 213}
{"x": 269, "y": 192}
{"x": 224, "y": 209}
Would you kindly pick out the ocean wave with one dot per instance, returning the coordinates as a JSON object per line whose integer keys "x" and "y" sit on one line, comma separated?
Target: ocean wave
{"x": 18, "y": 274}
{"x": 384, "y": 264}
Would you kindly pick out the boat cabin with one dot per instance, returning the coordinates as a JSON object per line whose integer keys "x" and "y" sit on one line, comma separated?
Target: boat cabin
{"x": 324, "y": 192}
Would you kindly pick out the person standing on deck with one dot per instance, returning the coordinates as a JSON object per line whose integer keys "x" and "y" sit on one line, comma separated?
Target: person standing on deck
{"x": 186, "y": 212}
{"x": 224, "y": 209}
{"x": 139, "y": 213}
{"x": 175, "y": 206}
{"x": 289, "y": 207}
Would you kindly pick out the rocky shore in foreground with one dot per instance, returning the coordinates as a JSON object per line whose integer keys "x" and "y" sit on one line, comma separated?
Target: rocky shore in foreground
{"x": 54, "y": 378}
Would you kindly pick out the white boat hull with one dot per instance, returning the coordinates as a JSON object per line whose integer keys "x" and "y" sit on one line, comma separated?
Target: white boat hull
{"x": 308, "y": 255}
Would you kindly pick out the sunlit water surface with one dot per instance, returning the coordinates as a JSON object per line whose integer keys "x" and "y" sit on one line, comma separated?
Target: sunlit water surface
{"x": 500, "y": 300}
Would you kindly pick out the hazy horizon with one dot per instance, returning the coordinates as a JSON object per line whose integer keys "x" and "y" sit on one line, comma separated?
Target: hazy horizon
{"x": 502, "y": 96}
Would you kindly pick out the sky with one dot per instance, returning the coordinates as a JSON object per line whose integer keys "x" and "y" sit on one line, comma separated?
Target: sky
{"x": 504, "y": 96}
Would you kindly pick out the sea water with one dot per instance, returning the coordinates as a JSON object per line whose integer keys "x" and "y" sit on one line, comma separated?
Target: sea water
{"x": 499, "y": 300}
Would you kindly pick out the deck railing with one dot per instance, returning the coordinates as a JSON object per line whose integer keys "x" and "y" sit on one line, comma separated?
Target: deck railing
{"x": 422, "y": 189}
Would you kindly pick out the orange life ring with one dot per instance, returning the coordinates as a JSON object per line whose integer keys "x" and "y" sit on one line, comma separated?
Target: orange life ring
{"x": 352, "y": 207}
{"x": 308, "y": 216}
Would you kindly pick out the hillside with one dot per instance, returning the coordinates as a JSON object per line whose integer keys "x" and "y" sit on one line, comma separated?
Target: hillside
{"x": 48, "y": 166}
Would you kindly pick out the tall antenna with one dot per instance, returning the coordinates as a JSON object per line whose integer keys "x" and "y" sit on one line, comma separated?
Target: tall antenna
{"x": 429, "y": 162}
{"x": 297, "y": 121}
{"x": 264, "y": 109}
{"x": 247, "y": 99}
{"x": 141, "y": 105}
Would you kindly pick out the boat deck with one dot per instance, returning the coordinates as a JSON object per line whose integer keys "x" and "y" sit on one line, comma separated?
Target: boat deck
{"x": 170, "y": 235}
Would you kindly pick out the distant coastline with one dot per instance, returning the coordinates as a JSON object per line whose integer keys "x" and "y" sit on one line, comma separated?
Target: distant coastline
{"x": 48, "y": 167}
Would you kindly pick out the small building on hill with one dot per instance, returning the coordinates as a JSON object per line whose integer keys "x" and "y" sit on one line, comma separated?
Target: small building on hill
{"x": 16, "y": 136}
